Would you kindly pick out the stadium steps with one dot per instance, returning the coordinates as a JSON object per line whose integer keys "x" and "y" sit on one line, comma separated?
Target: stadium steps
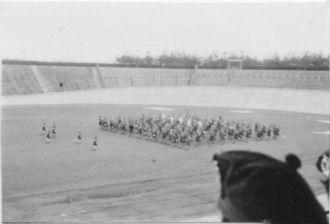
{"x": 40, "y": 79}
{"x": 19, "y": 79}
{"x": 96, "y": 78}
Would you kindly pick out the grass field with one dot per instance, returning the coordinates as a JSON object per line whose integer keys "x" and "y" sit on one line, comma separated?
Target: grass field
{"x": 129, "y": 179}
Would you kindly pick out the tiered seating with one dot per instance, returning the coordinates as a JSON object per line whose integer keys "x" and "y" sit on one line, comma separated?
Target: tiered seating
{"x": 120, "y": 77}
{"x": 247, "y": 78}
{"x": 72, "y": 78}
{"x": 19, "y": 79}
{"x": 172, "y": 77}
{"x": 312, "y": 80}
{"x": 210, "y": 77}
{"x": 115, "y": 77}
{"x": 263, "y": 78}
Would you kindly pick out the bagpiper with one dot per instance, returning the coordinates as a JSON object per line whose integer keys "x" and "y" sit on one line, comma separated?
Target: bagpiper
{"x": 78, "y": 138}
{"x": 94, "y": 144}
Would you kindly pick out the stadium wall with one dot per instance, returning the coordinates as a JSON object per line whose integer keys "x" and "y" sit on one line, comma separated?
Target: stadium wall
{"x": 29, "y": 79}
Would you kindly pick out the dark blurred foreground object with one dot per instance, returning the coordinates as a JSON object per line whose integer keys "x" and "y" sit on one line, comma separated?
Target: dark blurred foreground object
{"x": 323, "y": 165}
{"x": 258, "y": 188}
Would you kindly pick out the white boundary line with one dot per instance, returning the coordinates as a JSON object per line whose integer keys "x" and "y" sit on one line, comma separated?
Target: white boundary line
{"x": 292, "y": 100}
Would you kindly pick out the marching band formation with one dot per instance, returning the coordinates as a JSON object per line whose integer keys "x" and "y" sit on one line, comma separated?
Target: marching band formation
{"x": 188, "y": 130}
{"x": 180, "y": 131}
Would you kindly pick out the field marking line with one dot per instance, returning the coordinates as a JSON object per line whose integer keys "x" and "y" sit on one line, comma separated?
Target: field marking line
{"x": 324, "y": 121}
{"x": 241, "y": 111}
{"x": 158, "y": 108}
{"x": 321, "y": 132}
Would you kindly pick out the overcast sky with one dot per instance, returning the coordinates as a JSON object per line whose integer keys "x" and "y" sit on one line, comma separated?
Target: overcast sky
{"x": 98, "y": 32}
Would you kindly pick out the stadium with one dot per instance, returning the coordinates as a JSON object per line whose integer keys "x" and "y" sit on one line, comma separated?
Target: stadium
{"x": 165, "y": 112}
{"x": 133, "y": 179}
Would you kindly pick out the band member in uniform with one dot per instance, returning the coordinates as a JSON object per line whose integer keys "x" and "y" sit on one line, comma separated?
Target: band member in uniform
{"x": 276, "y": 132}
{"x": 94, "y": 145}
{"x": 100, "y": 121}
{"x": 131, "y": 127}
{"x": 79, "y": 138}
{"x": 248, "y": 132}
{"x": 269, "y": 132}
{"x": 48, "y": 137}
{"x": 54, "y": 130}
{"x": 43, "y": 129}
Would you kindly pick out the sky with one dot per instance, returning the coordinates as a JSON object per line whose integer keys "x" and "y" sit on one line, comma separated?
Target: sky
{"x": 102, "y": 31}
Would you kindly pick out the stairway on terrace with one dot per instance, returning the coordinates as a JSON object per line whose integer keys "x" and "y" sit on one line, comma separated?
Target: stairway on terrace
{"x": 19, "y": 79}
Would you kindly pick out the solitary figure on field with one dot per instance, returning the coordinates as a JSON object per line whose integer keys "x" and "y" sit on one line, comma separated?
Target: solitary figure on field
{"x": 79, "y": 138}
{"x": 94, "y": 146}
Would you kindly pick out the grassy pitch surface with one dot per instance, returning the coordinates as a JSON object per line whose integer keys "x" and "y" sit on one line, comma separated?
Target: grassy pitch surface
{"x": 128, "y": 178}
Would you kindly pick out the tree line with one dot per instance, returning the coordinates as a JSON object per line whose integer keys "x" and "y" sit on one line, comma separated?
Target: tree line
{"x": 304, "y": 61}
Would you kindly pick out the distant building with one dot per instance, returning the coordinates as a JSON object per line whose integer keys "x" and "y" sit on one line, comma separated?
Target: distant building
{"x": 234, "y": 64}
